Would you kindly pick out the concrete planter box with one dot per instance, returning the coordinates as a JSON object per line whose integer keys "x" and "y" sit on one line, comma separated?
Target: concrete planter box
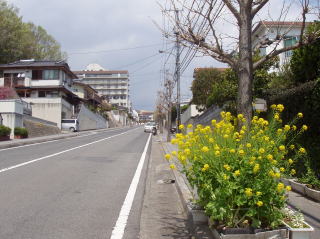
{"x": 279, "y": 234}
{"x": 300, "y": 233}
{"x": 298, "y": 187}
{"x": 286, "y": 181}
{"x": 198, "y": 215}
{"x": 314, "y": 194}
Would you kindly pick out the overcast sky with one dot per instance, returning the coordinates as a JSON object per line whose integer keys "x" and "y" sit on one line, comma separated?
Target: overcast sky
{"x": 101, "y": 31}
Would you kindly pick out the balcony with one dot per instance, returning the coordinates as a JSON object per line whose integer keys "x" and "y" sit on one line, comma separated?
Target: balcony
{"x": 14, "y": 82}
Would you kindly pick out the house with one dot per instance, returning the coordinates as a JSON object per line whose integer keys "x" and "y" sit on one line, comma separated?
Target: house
{"x": 86, "y": 93}
{"x": 111, "y": 85}
{"x": 46, "y": 85}
{"x": 268, "y": 36}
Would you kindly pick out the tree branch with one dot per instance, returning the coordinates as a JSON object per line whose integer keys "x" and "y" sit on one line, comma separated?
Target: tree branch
{"x": 260, "y": 5}
{"x": 233, "y": 10}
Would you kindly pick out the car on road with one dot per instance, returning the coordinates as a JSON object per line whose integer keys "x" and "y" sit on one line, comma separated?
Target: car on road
{"x": 149, "y": 126}
{"x": 70, "y": 125}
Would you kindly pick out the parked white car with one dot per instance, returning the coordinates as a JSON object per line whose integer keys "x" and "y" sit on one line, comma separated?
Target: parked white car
{"x": 149, "y": 126}
{"x": 70, "y": 125}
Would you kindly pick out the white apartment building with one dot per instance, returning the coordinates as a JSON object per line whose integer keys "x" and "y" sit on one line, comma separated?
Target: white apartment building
{"x": 276, "y": 35}
{"x": 111, "y": 85}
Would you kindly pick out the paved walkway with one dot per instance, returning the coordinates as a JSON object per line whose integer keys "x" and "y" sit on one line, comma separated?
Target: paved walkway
{"x": 163, "y": 215}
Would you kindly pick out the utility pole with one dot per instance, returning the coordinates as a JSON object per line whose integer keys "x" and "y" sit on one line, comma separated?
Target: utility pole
{"x": 177, "y": 73}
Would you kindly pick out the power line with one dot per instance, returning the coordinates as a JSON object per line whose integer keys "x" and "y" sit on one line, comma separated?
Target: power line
{"x": 112, "y": 50}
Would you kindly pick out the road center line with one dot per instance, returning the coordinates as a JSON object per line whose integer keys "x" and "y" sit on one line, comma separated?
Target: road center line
{"x": 118, "y": 230}
{"x": 64, "y": 151}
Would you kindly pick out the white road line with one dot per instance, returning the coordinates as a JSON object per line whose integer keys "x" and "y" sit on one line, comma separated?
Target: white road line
{"x": 61, "y": 152}
{"x": 118, "y": 230}
{"x": 76, "y": 137}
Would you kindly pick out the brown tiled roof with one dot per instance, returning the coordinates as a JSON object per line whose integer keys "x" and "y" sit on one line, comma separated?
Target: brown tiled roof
{"x": 278, "y": 23}
{"x": 100, "y": 72}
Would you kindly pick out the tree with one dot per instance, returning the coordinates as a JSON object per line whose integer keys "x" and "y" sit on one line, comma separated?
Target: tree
{"x": 204, "y": 79}
{"x": 305, "y": 61}
{"x": 198, "y": 29}
{"x": 19, "y": 40}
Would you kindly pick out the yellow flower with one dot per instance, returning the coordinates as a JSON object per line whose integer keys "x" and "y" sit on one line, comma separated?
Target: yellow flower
{"x": 282, "y": 148}
{"x": 205, "y": 149}
{"x": 292, "y": 146}
{"x": 273, "y": 106}
{"x": 280, "y": 107}
{"x": 271, "y": 173}
{"x": 232, "y": 151}
{"x": 236, "y": 173}
{"x": 304, "y": 127}
{"x": 274, "y": 162}
{"x": 227, "y": 167}
{"x": 279, "y": 131}
{"x": 211, "y": 140}
{"x": 302, "y": 150}
{"x": 248, "y": 192}
{"x": 261, "y": 150}
{"x": 286, "y": 127}
{"x": 258, "y": 193}
{"x": 259, "y": 203}
{"x": 277, "y": 175}
{"x": 248, "y": 145}
{"x": 181, "y": 126}
{"x": 293, "y": 172}
{"x": 300, "y": 115}
{"x": 240, "y": 116}
{"x": 270, "y": 157}
{"x": 282, "y": 169}
{"x": 213, "y": 122}
{"x": 256, "y": 168}
{"x": 217, "y": 153}
{"x": 225, "y": 136}
{"x": 187, "y": 151}
{"x": 174, "y": 153}
{"x": 241, "y": 152}
{"x": 172, "y": 166}
{"x": 205, "y": 167}
{"x": 288, "y": 188}
{"x": 189, "y": 126}
{"x": 167, "y": 156}
{"x": 280, "y": 187}
{"x": 290, "y": 161}
{"x": 225, "y": 177}
{"x": 294, "y": 127}
{"x": 276, "y": 116}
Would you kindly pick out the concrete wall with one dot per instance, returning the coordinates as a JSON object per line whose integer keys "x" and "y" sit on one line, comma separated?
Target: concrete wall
{"x": 50, "y": 109}
{"x": 189, "y": 114}
{"x": 212, "y": 113}
{"x": 12, "y": 114}
{"x": 90, "y": 120}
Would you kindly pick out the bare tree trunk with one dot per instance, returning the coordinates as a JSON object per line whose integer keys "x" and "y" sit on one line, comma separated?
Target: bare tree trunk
{"x": 245, "y": 67}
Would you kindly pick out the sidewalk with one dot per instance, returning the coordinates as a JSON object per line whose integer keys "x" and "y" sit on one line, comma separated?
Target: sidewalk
{"x": 163, "y": 215}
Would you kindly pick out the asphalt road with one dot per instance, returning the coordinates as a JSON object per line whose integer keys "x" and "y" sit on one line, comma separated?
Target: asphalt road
{"x": 74, "y": 188}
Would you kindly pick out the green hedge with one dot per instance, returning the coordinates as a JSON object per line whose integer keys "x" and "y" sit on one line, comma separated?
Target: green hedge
{"x": 21, "y": 131}
{"x": 4, "y": 131}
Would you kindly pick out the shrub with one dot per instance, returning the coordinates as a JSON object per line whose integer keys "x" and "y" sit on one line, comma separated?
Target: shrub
{"x": 236, "y": 170}
{"x": 21, "y": 131}
{"x": 4, "y": 131}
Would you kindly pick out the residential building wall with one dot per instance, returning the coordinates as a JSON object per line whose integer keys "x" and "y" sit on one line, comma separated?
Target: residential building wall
{"x": 112, "y": 85}
{"x": 271, "y": 31}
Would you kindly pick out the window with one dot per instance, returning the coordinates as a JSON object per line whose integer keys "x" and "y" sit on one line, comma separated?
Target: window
{"x": 36, "y": 74}
{"x": 51, "y": 75}
{"x": 41, "y": 94}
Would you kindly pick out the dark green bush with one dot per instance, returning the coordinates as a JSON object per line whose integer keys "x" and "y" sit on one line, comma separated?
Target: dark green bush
{"x": 4, "y": 131}
{"x": 21, "y": 131}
